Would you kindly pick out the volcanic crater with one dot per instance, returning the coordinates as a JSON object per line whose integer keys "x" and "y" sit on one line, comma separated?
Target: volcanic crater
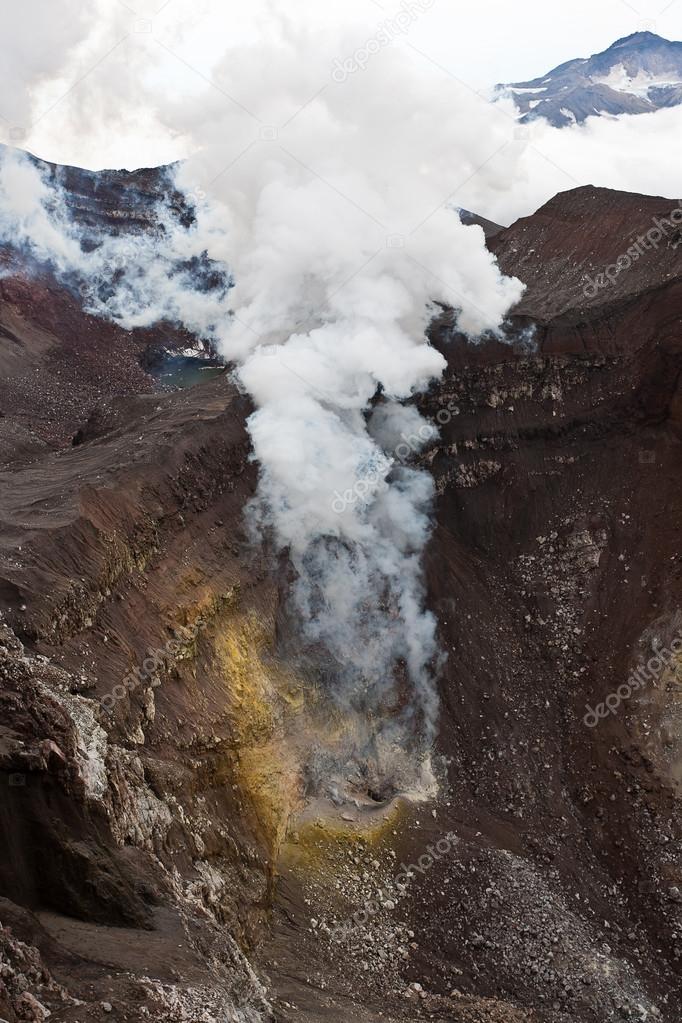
{"x": 166, "y": 855}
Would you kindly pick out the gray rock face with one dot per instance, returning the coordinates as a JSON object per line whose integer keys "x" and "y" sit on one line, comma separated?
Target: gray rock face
{"x": 637, "y": 75}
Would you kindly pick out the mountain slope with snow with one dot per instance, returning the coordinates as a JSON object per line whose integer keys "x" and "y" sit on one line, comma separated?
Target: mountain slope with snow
{"x": 637, "y": 75}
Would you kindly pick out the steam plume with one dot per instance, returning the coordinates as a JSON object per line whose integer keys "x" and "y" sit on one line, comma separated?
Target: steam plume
{"x": 339, "y": 239}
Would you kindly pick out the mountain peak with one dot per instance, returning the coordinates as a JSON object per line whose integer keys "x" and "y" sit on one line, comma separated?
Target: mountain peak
{"x": 638, "y": 37}
{"x": 637, "y": 74}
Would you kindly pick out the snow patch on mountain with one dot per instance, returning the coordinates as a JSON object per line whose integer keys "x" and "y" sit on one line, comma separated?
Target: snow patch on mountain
{"x": 640, "y": 85}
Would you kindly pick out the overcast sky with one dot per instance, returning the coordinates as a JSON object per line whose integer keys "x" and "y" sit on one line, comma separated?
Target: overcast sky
{"x": 484, "y": 42}
{"x": 488, "y": 41}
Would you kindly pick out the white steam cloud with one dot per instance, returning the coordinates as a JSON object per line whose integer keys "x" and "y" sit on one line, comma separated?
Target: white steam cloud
{"x": 340, "y": 243}
{"x": 339, "y": 239}
{"x": 39, "y": 39}
{"x": 632, "y": 153}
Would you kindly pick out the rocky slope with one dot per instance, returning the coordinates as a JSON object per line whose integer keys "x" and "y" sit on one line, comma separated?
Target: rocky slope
{"x": 162, "y": 860}
{"x": 638, "y": 74}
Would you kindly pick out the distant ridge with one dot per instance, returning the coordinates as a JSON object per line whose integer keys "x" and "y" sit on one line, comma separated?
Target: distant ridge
{"x": 636, "y": 75}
